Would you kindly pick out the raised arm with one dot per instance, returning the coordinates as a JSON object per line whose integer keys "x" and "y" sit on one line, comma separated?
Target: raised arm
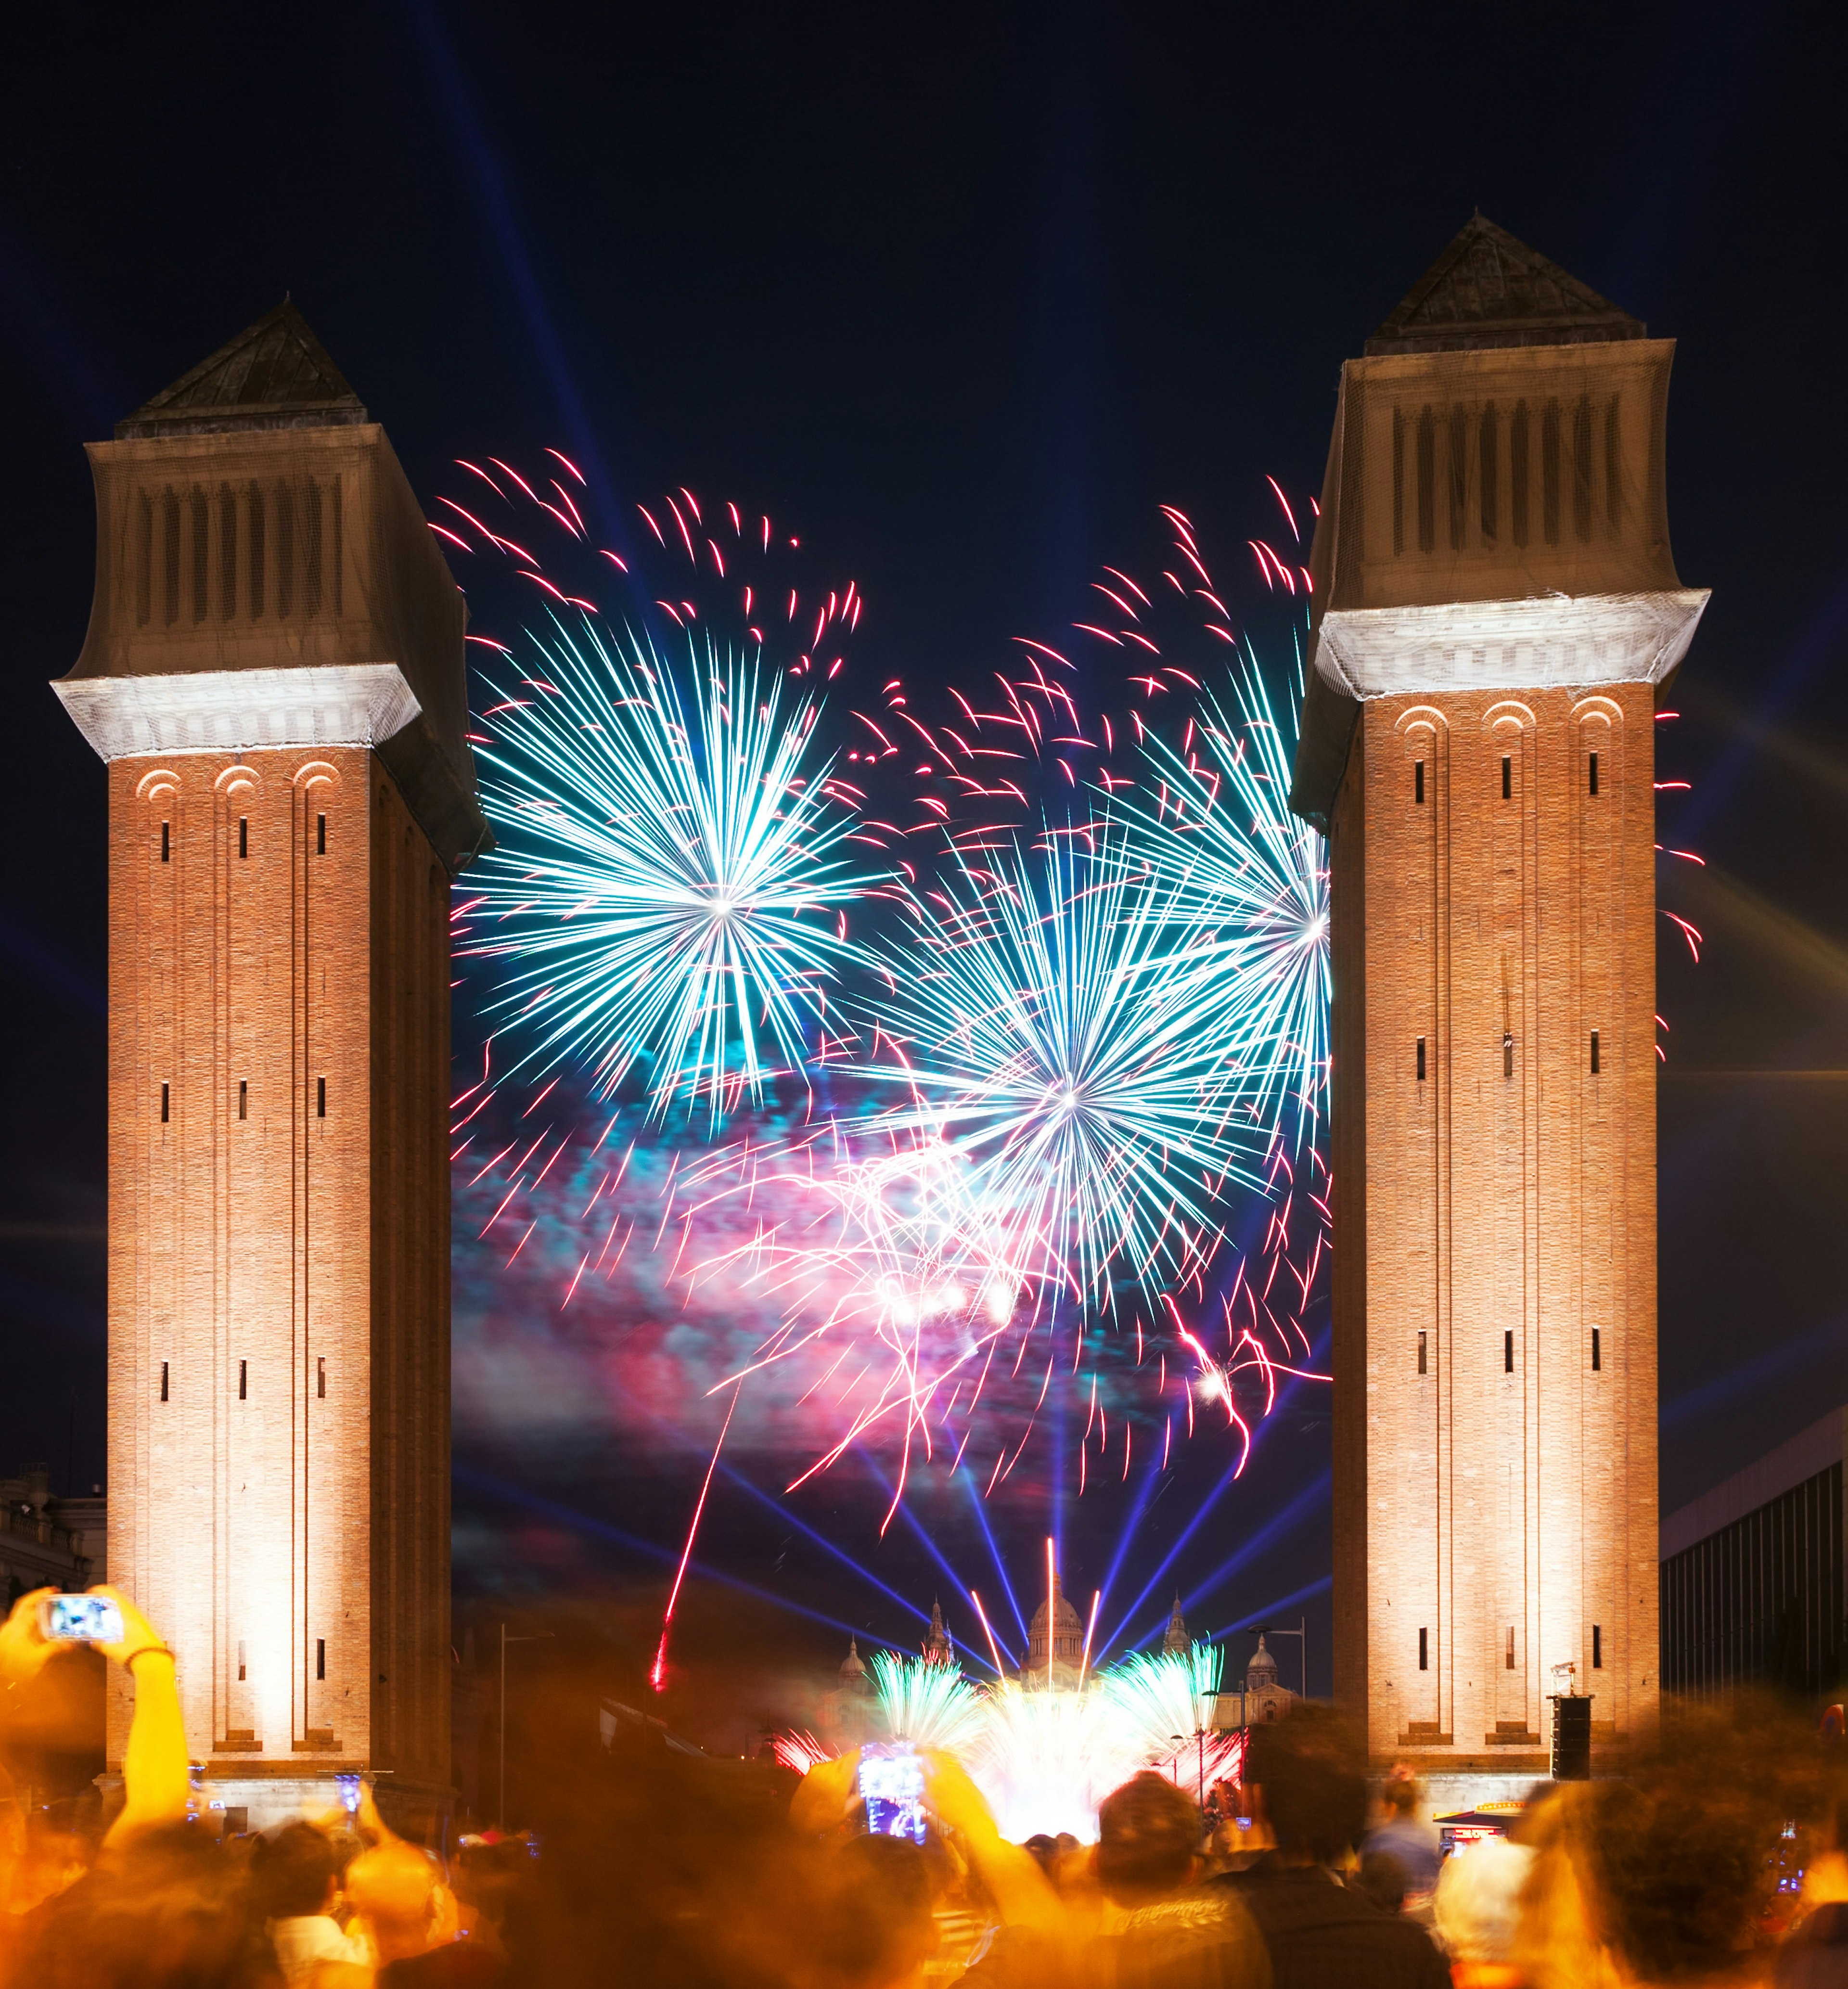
{"x": 154, "y": 1778}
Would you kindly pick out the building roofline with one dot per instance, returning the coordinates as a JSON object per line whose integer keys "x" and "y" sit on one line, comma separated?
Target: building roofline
{"x": 1803, "y": 1456}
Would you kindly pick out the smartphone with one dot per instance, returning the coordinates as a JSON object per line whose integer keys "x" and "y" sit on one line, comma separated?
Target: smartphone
{"x": 892, "y": 1787}
{"x": 79, "y": 1619}
{"x": 349, "y": 1792}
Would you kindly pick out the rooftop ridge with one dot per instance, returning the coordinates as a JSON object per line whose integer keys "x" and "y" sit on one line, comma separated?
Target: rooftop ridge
{"x": 1489, "y": 289}
{"x": 275, "y": 374}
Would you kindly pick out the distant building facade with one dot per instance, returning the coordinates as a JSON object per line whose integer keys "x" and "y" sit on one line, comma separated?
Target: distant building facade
{"x": 48, "y": 1543}
{"x": 850, "y": 1713}
{"x": 1055, "y": 1646}
{"x": 1753, "y": 1582}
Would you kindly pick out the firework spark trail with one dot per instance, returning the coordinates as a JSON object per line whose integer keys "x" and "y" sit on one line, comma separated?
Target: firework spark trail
{"x": 1222, "y": 830}
{"x": 929, "y": 1705}
{"x": 988, "y": 1220}
{"x": 1035, "y": 704}
{"x": 657, "y": 1675}
{"x": 1057, "y": 1034}
{"x": 664, "y": 858}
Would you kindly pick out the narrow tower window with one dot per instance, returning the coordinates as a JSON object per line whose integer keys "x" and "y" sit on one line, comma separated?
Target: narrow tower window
{"x": 320, "y": 835}
{"x": 243, "y": 836}
{"x": 170, "y": 548}
{"x": 321, "y": 1657}
{"x": 243, "y": 1380}
{"x": 145, "y": 562}
{"x": 1549, "y": 473}
{"x": 1510, "y": 1656}
{"x": 1597, "y": 1647}
{"x": 243, "y": 1098}
{"x": 166, "y": 1103}
{"x": 1421, "y": 1353}
{"x": 255, "y": 501}
{"x": 1582, "y": 469}
{"x": 1418, "y": 782}
{"x": 1613, "y": 463}
{"x": 1517, "y": 475}
{"x": 1508, "y": 777}
{"x": 243, "y": 1670}
{"x": 1421, "y": 1059}
{"x": 227, "y": 503}
{"x": 1424, "y": 1650}
{"x": 1427, "y": 478}
{"x": 1458, "y": 469}
{"x": 1597, "y": 1350}
{"x": 320, "y": 1375}
{"x": 320, "y": 1098}
{"x": 163, "y": 1381}
{"x": 1594, "y": 1053}
{"x": 1507, "y": 1053}
{"x": 1397, "y": 486}
{"x": 166, "y": 841}
{"x": 1485, "y": 450}
{"x": 1594, "y": 773}
{"x": 1507, "y": 1351}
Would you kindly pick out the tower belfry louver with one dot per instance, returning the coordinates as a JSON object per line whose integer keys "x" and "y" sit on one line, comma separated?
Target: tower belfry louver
{"x": 1496, "y": 607}
{"x": 273, "y": 671}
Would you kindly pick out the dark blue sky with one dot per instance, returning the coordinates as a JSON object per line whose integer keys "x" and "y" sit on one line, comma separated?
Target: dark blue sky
{"x": 967, "y": 291}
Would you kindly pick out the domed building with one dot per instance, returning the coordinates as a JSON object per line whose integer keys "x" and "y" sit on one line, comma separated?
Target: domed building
{"x": 850, "y": 1713}
{"x": 1064, "y": 1637}
{"x": 1264, "y": 1699}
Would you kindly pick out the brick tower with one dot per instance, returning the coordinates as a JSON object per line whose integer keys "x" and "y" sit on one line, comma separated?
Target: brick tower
{"x": 1497, "y": 607}
{"x": 274, "y": 673}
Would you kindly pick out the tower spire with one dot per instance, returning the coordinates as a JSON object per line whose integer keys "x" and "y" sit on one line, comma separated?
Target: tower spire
{"x": 1175, "y": 1643}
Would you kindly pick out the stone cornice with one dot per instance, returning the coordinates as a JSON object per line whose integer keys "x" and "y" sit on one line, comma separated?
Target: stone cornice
{"x": 1543, "y": 643}
{"x": 220, "y": 711}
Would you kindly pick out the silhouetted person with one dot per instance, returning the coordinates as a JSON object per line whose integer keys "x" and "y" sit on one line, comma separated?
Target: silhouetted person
{"x": 1305, "y": 1780}
{"x": 1404, "y": 1835}
{"x": 1381, "y": 1878}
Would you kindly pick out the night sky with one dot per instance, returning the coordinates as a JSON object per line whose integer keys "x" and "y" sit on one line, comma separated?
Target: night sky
{"x": 963, "y": 294}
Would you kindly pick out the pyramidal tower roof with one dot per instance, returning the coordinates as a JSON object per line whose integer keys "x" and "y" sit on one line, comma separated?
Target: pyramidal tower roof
{"x": 1487, "y": 288}
{"x": 276, "y": 373}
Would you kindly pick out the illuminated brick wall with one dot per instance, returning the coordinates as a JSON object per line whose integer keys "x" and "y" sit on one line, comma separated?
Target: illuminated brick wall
{"x": 1495, "y": 1469}
{"x": 279, "y": 1253}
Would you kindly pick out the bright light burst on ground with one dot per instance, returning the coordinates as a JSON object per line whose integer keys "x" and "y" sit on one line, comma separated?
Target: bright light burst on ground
{"x": 1044, "y": 1760}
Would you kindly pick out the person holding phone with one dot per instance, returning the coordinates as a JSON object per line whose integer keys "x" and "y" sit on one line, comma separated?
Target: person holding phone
{"x": 162, "y": 1905}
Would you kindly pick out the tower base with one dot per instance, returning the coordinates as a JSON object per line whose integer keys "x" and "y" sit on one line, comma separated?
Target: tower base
{"x": 235, "y": 1804}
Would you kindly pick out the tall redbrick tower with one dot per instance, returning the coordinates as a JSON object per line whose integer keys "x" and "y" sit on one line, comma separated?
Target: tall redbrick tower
{"x": 1497, "y": 609}
{"x": 274, "y": 673}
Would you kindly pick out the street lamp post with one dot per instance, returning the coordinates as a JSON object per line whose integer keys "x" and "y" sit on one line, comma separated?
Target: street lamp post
{"x": 537, "y": 1637}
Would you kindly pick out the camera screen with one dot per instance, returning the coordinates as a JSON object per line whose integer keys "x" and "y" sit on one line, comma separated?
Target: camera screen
{"x": 82, "y": 1619}
{"x": 892, "y": 1787}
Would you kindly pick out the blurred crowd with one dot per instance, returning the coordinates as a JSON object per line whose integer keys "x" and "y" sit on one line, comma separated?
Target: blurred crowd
{"x": 1716, "y": 1858}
